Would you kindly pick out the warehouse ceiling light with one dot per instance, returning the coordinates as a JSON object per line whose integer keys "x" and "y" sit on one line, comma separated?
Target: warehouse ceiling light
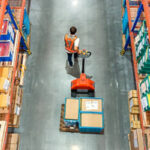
{"x": 74, "y": 2}
{"x": 75, "y": 147}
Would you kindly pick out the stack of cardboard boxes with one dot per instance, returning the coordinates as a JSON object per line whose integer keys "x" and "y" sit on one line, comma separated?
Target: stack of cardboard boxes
{"x": 5, "y": 80}
{"x": 16, "y": 107}
{"x": 136, "y": 138}
{"x": 13, "y": 142}
{"x": 134, "y": 110}
{"x": 7, "y": 41}
{"x": 86, "y": 114}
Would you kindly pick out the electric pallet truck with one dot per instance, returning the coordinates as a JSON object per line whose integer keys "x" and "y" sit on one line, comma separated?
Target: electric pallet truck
{"x": 83, "y": 85}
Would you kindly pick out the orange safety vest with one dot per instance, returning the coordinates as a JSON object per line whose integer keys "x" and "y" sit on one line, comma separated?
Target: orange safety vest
{"x": 69, "y": 43}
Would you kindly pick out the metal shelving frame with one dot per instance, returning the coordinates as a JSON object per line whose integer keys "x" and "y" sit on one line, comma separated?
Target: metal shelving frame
{"x": 3, "y": 4}
{"x": 143, "y": 7}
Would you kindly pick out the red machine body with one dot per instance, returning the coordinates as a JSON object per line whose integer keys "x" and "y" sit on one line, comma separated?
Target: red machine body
{"x": 83, "y": 83}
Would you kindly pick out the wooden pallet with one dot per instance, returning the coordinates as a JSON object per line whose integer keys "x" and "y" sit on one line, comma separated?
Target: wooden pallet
{"x": 63, "y": 128}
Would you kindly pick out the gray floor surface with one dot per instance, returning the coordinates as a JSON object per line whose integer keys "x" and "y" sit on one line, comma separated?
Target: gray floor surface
{"x": 47, "y": 82}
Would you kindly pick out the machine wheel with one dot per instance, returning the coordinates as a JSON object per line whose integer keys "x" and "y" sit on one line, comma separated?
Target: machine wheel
{"x": 73, "y": 93}
{"x": 91, "y": 93}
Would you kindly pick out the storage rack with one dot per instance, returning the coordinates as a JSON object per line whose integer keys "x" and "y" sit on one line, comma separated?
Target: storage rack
{"x": 4, "y": 7}
{"x": 143, "y": 7}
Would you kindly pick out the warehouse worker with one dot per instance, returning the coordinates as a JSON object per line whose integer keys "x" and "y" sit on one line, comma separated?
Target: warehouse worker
{"x": 72, "y": 45}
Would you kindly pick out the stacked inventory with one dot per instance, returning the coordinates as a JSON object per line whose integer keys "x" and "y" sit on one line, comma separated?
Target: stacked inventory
{"x": 134, "y": 110}
{"x": 136, "y": 140}
{"x": 13, "y": 142}
{"x": 12, "y": 68}
{"x": 86, "y": 114}
{"x": 145, "y": 93}
{"x": 139, "y": 35}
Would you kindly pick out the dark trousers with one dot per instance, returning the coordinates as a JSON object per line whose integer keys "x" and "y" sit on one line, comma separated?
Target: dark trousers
{"x": 70, "y": 58}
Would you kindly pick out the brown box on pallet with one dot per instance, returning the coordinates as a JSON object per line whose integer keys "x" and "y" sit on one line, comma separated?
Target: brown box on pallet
{"x": 133, "y": 102}
{"x": 136, "y": 140}
{"x": 72, "y": 109}
{"x": 91, "y": 120}
{"x": 13, "y": 138}
{"x": 132, "y": 94}
{"x": 91, "y": 105}
{"x": 12, "y": 147}
{"x": 134, "y": 110}
{"x": 135, "y": 124}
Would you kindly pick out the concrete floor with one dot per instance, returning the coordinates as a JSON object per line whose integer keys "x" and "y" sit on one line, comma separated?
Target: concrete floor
{"x": 47, "y": 82}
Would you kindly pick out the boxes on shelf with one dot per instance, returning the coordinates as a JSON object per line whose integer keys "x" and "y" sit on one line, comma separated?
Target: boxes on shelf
{"x": 91, "y": 117}
{"x": 136, "y": 140}
{"x": 14, "y": 121}
{"x": 134, "y": 106}
{"x": 132, "y": 94}
{"x": 6, "y": 72}
{"x": 13, "y": 141}
{"x": 141, "y": 40}
{"x": 4, "y": 100}
{"x": 71, "y": 112}
{"x": 6, "y": 51}
{"x": 146, "y": 119}
{"x": 147, "y": 138}
{"x": 7, "y": 33}
{"x": 145, "y": 100}
{"x": 134, "y": 121}
{"x": 4, "y": 85}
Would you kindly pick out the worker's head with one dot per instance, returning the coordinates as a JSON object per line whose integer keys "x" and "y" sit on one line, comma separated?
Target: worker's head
{"x": 73, "y": 30}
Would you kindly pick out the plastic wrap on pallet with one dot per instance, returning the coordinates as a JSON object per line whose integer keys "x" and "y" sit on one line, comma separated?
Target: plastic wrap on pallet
{"x": 124, "y": 3}
{"x": 6, "y": 51}
{"x": 26, "y": 23}
{"x": 7, "y": 33}
{"x": 125, "y": 21}
{"x": 71, "y": 112}
{"x": 144, "y": 62}
{"x": 90, "y": 120}
{"x": 127, "y": 33}
{"x": 145, "y": 100}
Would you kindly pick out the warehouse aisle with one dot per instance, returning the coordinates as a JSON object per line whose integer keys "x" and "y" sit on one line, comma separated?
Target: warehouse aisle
{"x": 47, "y": 83}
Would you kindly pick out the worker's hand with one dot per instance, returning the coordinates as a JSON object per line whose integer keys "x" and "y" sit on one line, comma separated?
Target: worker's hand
{"x": 79, "y": 51}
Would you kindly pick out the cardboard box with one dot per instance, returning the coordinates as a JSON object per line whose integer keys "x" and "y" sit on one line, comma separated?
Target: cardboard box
{"x": 4, "y": 100}
{"x": 134, "y": 117}
{"x": 4, "y": 85}
{"x": 91, "y": 120}
{"x": 94, "y": 105}
{"x": 72, "y": 109}
{"x": 13, "y": 138}
{"x": 136, "y": 140}
{"x": 5, "y": 72}
{"x": 12, "y": 147}
{"x": 132, "y": 94}
{"x": 147, "y": 138}
{"x": 133, "y": 102}
{"x": 135, "y": 124}
{"x": 134, "y": 110}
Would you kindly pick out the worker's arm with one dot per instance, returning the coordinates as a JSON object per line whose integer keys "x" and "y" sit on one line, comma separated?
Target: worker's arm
{"x": 76, "y": 45}
{"x": 76, "y": 48}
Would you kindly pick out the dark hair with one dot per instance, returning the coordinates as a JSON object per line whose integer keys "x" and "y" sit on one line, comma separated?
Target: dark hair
{"x": 73, "y": 30}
